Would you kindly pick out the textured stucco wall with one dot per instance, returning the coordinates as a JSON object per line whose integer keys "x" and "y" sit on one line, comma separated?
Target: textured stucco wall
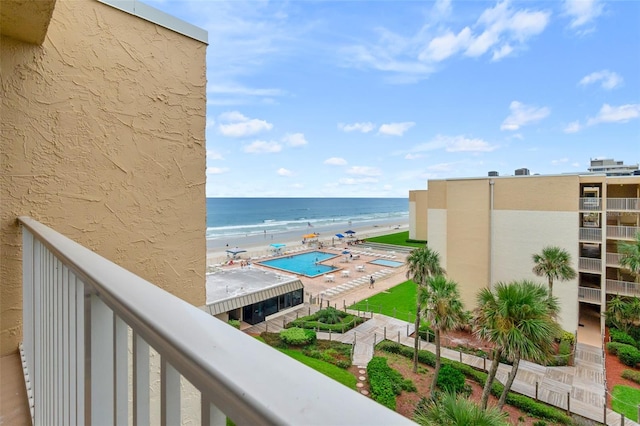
{"x": 519, "y": 234}
{"x": 418, "y": 218}
{"x": 103, "y": 140}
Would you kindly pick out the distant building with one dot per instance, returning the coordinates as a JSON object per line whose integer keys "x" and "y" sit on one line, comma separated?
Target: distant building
{"x": 486, "y": 229}
{"x": 611, "y": 167}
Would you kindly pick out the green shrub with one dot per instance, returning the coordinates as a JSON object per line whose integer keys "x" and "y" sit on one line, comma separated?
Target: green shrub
{"x": 634, "y": 331}
{"x": 234, "y": 323}
{"x": 450, "y": 379}
{"x": 622, "y": 337}
{"x": 629, "y": 355}
{"x": 564, "y": 353}
{"x": 297, "y": 336}
{"x": 316, "y": 321}
{"x": 540, "y": 423}
{"x": 632, "y": 375}
{"x": 568, "y": 337}
{"x": 425, "y": 332}
{"x": 330, "y": 315}
{"x": 273, "y": 339}
{"x": 382, "y": 388}
{"x": 614, "y": 347}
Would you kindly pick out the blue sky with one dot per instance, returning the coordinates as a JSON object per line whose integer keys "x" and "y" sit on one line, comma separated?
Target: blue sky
{"x": 373, "y": 98}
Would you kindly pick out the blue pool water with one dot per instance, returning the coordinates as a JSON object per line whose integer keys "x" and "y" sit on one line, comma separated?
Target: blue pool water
{"x": 302, "y": 264}
{"x": 389, "y": 263}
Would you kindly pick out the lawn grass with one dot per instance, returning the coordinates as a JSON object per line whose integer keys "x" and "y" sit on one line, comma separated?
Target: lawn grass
{"x": 336, "y": 373}
{"x": 398, "y": 239}
{"x": 401, "y": 297}
{"x": 625, "y": 400}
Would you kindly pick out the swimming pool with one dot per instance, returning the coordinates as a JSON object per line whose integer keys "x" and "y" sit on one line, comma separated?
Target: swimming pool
{"x": 389, "y": 263}
{"x": 302, "y": 264}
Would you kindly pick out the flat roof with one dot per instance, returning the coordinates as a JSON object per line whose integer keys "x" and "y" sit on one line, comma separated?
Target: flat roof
{"x": 233, "y": 288}
{"x": 158, "y": 17}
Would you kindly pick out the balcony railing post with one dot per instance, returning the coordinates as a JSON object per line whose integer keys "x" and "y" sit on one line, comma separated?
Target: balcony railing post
{"x": 169, "y": 394}
{"x": 140, "y": 381}
{"x": 101, "y": 361}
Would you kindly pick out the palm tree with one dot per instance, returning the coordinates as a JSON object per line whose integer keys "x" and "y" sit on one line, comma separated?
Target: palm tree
{"x": 553, "y": 263}
{"x": 519, "y": 318}
{"x": 443, "y": 311}
{"x": 452, "y": 410}
{"x": 422, "y": 263}
{"x": 630, "y": 258}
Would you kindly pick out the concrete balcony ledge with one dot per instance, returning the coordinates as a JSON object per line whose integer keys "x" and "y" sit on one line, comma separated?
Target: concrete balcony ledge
{"x": 91, "y": 307}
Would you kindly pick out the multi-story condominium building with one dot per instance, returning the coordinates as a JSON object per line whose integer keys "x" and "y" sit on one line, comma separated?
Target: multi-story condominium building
{"x": 611, "y": 167}
{"x": 102, "y": 234}
{"x": 487, "y": 229}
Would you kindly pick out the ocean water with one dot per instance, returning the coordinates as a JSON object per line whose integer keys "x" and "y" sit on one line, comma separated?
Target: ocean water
{"x": 234, "y": 217}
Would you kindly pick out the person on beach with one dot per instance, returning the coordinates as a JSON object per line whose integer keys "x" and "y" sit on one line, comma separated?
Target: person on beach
{"x": 371, "y": 282}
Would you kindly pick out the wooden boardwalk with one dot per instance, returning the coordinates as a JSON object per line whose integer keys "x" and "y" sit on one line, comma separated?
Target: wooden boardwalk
{"x": 580, "y": 388}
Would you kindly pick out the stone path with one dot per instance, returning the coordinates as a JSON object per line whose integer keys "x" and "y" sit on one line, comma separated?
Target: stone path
{"x": 581, "y": 387}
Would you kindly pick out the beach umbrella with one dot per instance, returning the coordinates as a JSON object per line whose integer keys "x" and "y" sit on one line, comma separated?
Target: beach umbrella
{"x": 339, "y": 235}
{"x": 350, "y": 232}
{"x": 307, "y": 236}
{"x": 345, "y": 252}
{"x": 235, "y": 251}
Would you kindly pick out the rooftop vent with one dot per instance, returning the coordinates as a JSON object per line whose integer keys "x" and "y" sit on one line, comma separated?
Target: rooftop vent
{"x": 522, "y": 172}
{"x": 493, "y": 173}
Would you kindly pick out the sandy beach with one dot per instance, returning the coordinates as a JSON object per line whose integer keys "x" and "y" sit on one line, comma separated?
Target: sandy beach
{"x": 257, "y": 245}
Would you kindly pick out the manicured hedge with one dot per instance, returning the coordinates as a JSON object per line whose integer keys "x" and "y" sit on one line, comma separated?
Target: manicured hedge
{"x": 382, "y": 382}
{"x": 614, "y": 347}
{"x": 622, "y": 337}
{"x": 632, "y": 375}
{"x": 450, "y": 379}
{"x": 347, "y": 322}
{"x": 297, "y": 336}
{"x": 629, "y": 355}
{"x": 524, "y": 403}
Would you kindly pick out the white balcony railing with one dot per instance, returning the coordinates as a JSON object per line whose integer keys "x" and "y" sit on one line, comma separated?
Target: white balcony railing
{"x": 591, "y": 234}
{"x": 589, "y": 295}
{"x": 589, "y": 264}
{"x": 624, "y": 232}
{"x": 613, "y": 259}
{"x": 623, "y": 288}
{"x": 591, "y": 203}
{"x": 623, "y": 204}
{"x": 79, "y": 310}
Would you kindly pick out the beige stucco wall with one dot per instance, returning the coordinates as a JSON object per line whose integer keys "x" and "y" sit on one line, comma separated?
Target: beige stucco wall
{"x": 520, "y": 234}
{"x": 438, "y": 233}
{"x": 418, "y": 218}
{"x": 468, "y": 236}
{"x": 545, "y": 193}
{"x": 103, "y": 140}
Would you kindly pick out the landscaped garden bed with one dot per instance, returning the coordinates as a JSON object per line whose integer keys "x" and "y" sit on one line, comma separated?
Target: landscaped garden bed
{"x": 329, "y": 319}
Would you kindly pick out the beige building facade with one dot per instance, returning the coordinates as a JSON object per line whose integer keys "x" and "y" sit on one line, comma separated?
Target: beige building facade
{"x": 418, "y": 207}
{"x": 103, "y": 139}
{"x": 487, "y": 229}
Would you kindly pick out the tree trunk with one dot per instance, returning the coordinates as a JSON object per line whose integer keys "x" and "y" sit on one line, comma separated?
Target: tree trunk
{"x": 490, "y": 378}
{"x": 550, "y": 286}
{"x": 415, "y": 343}
{"x": 510, "y": 379}
{"x": 432, "y": 389}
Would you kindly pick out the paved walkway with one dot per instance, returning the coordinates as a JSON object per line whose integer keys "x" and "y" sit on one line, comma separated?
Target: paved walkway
{"x": 581, "y": 386}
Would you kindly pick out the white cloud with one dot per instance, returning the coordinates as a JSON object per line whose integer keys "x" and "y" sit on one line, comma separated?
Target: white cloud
{"x": 501, "y": 30}
{"x": 582, "y": 12}
{"x": 262, "y": 147}
{"x": 284, "y": 172}
{"x": 357, "y": 181}
{"x": 522, "y": 115}
{"x": 442, "y": 167}
{"x": 294, "y": 139}
{"x": 411, "y": 156}
{"x": 616, "y": 114}
{"x": 575, "y": 164}
{"x": 446, "y": 45}
{"x": 237, "y": 89}
{"x": 609, "y": 80}
{"x": 239, "y": 126}
{"x": 364, "y": 171}
{"x": 365, "y": 127}
{"x": 216, "y": 170}
{"x": 560, "y": 161}
{"x": 335, "y": 161}
{"x": 457, "y": 143}
{"x": 395, "y": 129}
{"x": 573, "y": 127}
{"x": 213, "y": 155}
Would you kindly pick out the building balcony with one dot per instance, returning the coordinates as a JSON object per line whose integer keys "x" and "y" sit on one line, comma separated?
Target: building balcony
{"x": 623, "y": 204}
{"x": 98, "y": 339}
{"x": 622, "y": 232}
{"x": 613, "y": 259}
{"x": 589, "y": 295}
{"x": 588, "y": 264}
{"x": 591, "y": 234}
{"x": 591, "y": 204}
{"x": 623, "y": 288}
